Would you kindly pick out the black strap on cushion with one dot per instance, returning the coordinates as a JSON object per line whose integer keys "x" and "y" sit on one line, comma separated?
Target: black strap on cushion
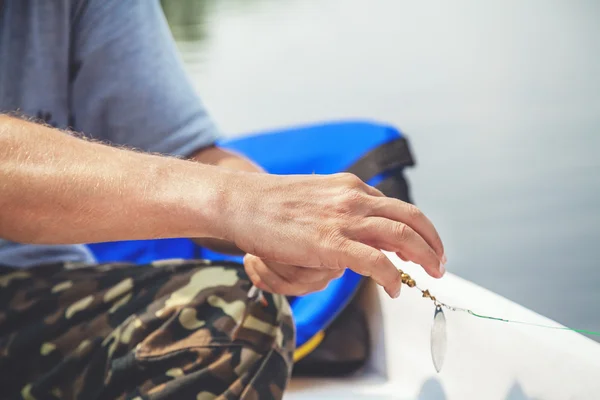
{"x": 386, "y": 157}
{"x": 389, "y": 158}
{"x": 395, "y": 186}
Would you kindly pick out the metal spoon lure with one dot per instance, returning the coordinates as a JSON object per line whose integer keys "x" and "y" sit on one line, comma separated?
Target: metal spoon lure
{"x": 438, "y": 338}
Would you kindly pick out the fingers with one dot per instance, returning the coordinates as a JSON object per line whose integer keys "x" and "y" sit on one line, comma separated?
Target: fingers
{"x": 367, "y": 261}
{"x": 410, "y": 215}
{"x": 285, "y": 279}
{"x": 302, "y": 275}
{"x": 402, "y": 239}
{"x": 330, "y": 223}
{"x": 402, "y": 256}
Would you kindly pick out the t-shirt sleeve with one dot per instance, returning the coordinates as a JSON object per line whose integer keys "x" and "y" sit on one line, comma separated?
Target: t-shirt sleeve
{"x": 128, "y": 82}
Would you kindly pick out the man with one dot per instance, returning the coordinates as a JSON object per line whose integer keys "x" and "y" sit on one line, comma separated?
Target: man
{"x": 72, "y": 329}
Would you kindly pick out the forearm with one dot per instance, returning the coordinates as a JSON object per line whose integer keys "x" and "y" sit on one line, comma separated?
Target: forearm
{"x": 56, "y": 188}
{"x": 225, "y": 159}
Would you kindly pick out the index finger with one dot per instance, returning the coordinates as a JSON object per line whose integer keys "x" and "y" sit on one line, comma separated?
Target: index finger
{"x": 368, "y": 261}
{"x": 410, "y": 215}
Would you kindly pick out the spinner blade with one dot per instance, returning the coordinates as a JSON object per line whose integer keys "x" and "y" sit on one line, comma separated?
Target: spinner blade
{"x": 438, "y": 338}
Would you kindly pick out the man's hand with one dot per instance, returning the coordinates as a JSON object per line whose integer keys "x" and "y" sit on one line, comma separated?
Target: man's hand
{"x": 362, "y": 216}
{"x": 329, "y": 223}
{"x": 271, "y": 276}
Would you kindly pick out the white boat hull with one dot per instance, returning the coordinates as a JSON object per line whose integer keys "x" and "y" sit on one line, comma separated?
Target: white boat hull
{"x": 485, "y": 359}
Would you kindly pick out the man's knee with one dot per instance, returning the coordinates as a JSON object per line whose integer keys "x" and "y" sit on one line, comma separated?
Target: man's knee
{"x": 211, "y": 324}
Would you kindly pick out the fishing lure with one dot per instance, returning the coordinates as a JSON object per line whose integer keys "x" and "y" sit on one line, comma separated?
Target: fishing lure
{"x": 438, "y": 329}
{"x": 438, "y": 338}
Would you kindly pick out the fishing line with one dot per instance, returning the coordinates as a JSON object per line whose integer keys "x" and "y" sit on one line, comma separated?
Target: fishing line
{"x": 438, "y": 329}
{"x": 510, "y": 321}
{"x": 564, "y": 328}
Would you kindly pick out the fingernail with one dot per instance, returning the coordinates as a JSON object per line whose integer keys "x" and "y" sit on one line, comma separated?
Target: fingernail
{"x": 442, "y": 268}
{"x": 444, "y": 259}
{"x": 396, "y": 294}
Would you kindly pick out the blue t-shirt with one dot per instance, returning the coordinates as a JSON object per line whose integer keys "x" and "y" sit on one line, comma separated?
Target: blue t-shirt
{"x": 107, "y": 68}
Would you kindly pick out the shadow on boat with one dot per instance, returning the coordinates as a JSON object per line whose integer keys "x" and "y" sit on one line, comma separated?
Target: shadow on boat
{"x": 516, "y": 392}
{"x": 432, "y": 389}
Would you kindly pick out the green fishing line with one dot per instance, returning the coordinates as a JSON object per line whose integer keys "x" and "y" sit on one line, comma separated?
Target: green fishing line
{"x": 407, "y": 280}
{"x": 585, "y": 331}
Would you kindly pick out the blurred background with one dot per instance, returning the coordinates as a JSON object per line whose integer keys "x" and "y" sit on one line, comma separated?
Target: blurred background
{"x": 500, "y": 100}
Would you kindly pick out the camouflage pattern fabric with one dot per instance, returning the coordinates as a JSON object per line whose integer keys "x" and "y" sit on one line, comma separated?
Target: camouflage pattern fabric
{"x": 169, "y": 330}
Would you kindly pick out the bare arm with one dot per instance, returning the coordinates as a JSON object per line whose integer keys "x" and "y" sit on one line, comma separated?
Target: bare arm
{"x": 56, "y": 188}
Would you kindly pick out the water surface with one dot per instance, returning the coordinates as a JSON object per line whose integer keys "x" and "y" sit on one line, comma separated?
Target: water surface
{"x": 501, "y": 102}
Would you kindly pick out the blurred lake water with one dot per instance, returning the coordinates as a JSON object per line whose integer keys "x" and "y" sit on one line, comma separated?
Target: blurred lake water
{"x": 501, "y": 102}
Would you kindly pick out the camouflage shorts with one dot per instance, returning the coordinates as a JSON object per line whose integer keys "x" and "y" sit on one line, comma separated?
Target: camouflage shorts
{"x": 170, "y": 330}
